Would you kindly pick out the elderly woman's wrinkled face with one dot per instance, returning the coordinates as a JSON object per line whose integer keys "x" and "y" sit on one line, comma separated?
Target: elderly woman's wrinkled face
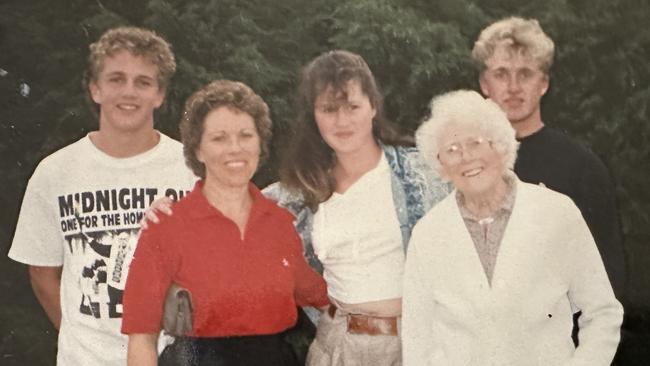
{"x": 470, "y": 161}
{"x": 229, "y": 147}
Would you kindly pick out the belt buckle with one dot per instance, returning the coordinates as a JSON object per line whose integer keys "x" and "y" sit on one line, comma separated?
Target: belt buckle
{"x": 355, "y": 325}
{"x": 369, "y": 325}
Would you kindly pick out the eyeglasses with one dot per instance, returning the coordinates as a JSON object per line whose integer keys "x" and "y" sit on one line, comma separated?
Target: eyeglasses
{"x": 453, "y": 153}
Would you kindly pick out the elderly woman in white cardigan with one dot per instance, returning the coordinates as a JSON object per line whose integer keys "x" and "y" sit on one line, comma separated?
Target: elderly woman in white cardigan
{"x": 495, "y": 271}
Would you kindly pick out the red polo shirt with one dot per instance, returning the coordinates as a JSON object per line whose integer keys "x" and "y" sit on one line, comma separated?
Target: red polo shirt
{"x": 239, "y": 286}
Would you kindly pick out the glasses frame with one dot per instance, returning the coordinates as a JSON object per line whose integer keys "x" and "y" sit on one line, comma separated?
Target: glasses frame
{"x": 456, "y": 150}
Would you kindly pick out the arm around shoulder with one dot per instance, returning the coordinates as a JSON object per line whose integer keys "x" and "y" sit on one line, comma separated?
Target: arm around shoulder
{"x": 285, "y": 198}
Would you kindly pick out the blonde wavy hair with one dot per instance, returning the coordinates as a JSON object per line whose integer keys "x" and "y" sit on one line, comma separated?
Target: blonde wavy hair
{"x": 518, "y": 35}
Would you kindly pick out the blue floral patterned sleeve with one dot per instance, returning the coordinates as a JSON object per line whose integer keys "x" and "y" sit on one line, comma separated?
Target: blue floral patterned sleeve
{"x": 303, "y": 222}
{"x": 416, "y": 187}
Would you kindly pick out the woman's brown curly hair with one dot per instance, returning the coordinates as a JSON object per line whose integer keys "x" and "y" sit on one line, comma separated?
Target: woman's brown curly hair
{"x": 221, "y": 93}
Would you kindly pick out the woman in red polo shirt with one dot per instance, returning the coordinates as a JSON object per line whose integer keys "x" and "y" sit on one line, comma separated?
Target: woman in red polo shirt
{"x": 235, "y": 251}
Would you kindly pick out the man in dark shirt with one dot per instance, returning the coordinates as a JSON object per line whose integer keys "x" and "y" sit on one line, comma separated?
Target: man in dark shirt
{"x": 514, "y": 56}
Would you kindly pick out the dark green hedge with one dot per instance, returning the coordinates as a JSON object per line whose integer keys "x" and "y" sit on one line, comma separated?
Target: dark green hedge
{"x": 418, "y": 48}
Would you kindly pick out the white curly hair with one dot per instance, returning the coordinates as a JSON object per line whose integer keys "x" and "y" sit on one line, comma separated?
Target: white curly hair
{"x": 466, "y": 109}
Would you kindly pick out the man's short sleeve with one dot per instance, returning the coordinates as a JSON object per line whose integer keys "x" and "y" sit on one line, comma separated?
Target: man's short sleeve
{"x": 37, "y": 240}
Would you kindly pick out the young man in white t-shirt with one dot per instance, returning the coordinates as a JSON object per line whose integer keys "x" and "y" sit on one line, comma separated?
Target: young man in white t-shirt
{"x": 79, "y": 220}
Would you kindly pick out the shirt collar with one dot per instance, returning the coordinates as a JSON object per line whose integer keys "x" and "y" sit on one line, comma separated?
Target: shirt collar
{"x": 506, "y": 204}
{"x": 201, "y": 207}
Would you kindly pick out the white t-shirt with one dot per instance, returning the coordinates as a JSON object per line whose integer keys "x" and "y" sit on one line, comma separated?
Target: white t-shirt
{"x": 81, "y": 210}
{"x": 357, "y": 237}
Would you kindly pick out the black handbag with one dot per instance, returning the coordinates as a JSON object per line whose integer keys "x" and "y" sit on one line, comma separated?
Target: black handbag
{"x": 177, "y": 311}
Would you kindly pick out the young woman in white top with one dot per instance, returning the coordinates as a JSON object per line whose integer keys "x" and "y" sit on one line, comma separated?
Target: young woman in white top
{"x": 356, "y": 189}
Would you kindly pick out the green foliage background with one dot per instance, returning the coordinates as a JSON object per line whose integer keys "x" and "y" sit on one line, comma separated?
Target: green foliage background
{"x": 417, "y": 48}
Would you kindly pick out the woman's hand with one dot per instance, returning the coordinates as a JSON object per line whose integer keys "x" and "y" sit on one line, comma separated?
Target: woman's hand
{"x": 160, "y": 205}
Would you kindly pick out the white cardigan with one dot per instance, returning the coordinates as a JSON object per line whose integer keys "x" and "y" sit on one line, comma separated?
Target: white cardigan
{"x": 548, "y": 267}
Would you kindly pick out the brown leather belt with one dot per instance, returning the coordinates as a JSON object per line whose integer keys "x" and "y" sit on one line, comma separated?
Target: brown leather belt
{"x": 368, "y": 324}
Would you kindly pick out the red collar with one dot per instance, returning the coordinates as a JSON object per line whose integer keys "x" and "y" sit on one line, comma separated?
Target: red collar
{"x": 201, "y": 208}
